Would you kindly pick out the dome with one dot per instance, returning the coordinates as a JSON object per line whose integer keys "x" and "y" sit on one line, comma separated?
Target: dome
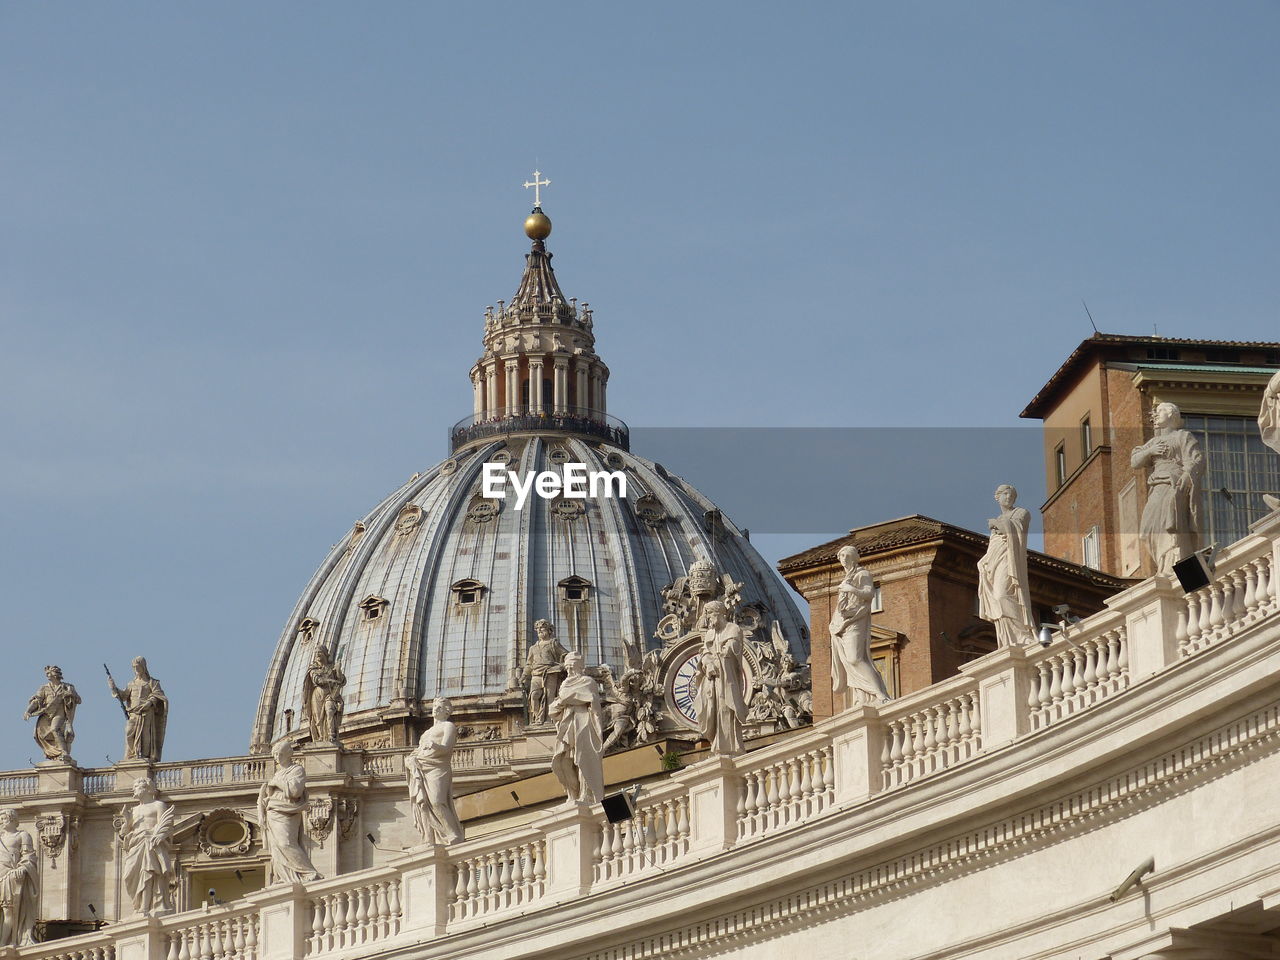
{"x": 435, "y": 592}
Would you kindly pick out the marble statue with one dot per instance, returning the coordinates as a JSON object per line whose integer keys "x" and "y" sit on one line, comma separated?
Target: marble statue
{"x": 544, "y": 670}
{"x": 146, "y": 711}
{"x": 577, "y": 759}
{"x": 146, "y": 839}
{"x": 322, "y": 696}
{"x": 1170, "y": 524}
{"x": 54, "y": 707}
{"x": 430, "y": 772}
{"x": 1004, "y": 590}
{"x": 720, "y": 701}
{"x": 282, "y": 807}
{"x": 852, "y": 668}
{"x": 1269, "y": 426}
{"x": 630, "y": 712}
{"x": 18, "y": 879}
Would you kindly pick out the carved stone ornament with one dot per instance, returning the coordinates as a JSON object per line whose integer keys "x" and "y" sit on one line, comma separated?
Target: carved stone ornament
{"x": 683, "y": 602}
{"x": 408, "y": 519}
{"x": 558, "y": 455}
{"x": 357, "y": 534}
{"x": 614, "y": 461}
{"x": 649, "y": 510}
{"x": 483, "y": 509}
{"x": 56, "y": 829}
{"x": 567, "y": 509}
{"x": 347, "y": 809}
{"x": 307, "y": 628}
{"x": 224, "y": 833}
{"x": 502, "y": 458}
{"x": 320, "y": 819}
{"x": 448, "y": 468}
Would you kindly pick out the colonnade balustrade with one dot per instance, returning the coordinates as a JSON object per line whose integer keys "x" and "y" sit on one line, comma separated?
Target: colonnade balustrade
{"x": 715, "y": 807}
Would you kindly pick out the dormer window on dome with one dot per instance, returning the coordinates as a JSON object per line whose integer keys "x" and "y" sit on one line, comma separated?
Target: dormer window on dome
{"x": 467, "y": 593}
{"x": 307, "y": 628}
{"x": 373, "y": 607}
{"x": 575, "y": 589}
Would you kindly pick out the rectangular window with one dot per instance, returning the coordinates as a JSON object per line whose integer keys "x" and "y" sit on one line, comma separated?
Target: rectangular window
{"x": 1060, "y": 465}
{"x": 1086, "y": 438}
{"x": 1089, "y": 549}
{"x": 1238, "y": 469}
{"x": 877, "y": 604}
{"x": 1130, "y": 548}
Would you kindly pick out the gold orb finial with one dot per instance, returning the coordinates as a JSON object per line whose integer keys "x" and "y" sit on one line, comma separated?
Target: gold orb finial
{"x": 537, "y": 226}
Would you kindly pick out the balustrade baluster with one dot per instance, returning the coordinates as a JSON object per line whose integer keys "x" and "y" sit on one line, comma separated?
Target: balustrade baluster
{"x": 251, "y": 938}
{"x": 174, "y": 952}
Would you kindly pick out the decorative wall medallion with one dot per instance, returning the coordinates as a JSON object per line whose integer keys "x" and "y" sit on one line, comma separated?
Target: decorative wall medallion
{"x": 501, "y": 457}
{"x": 483, "y": 509}
{"x": 649, "y": 510}
{"x": 55, "y": 830}
{"x": 448, "y": 468}
{"x": 567, "y": 509}
{"x": 320, "y": 819}
{"x": 614, "y": 461}
{"x": 558, "y": 455}
{"x": 224, "y": 833}
{"x": 408, "y": 519}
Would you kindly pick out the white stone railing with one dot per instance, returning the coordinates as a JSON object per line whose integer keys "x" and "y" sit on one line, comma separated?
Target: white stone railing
{"x": 19, "y": 784}
{"x": 779, "y": 791}
{"x": 920, "y": 740}
{"x": 1066, "y": 681}
{"x": 493, "y": 877}
{"x": 342, "y": 915}
{"x": 207, "y": 773}
{"x": 658, "y": 835}
{"x": 385, "y": 763}
{"x": 713, "y": 806}
{"x": 1243, "y": 590}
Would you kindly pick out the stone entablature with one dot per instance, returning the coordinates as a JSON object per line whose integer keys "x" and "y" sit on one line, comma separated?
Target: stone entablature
{"x": 1005, "y": 804}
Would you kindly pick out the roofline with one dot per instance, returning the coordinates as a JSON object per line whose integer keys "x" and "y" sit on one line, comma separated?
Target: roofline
{"x": 1094, "y": 344}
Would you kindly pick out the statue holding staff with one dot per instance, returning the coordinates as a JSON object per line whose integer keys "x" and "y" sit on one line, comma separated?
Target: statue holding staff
{"x": 146, "y": 711}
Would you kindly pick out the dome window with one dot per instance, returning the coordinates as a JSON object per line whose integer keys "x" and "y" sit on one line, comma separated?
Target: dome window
{"x": 307, "y": 628}
{"x": 373, "y": 607}
{"x": 408, "y": 519}
{"x": 649, "y": 510}
{"x": 575, "y": 590}
{"x": 467, "y": 593}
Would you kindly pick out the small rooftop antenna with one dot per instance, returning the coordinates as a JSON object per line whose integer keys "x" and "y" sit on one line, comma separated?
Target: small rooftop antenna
{"x": 1089, "y": 315}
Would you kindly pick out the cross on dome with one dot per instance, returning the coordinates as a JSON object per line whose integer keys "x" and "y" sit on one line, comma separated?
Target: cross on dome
{"x": 537, "y": 185}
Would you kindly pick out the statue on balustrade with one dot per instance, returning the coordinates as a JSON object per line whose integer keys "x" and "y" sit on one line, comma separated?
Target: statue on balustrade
{"x": 146, "y": 839}
{"x": 577, "y": 759}
{"x": 1170, "y": 524}
{"x": 322, "y": 696}
{"x": 282, "y": 806}
{"x": 852, "y": 668}
{"x": 54, "y": 707}
{"x": 430, "y": 773}
{"x": 1004, "y": 589}
{"x": 1269, "y": 426}
{"x": 18, "y": 878}
{"x": 544, "y": 670}
{"x": 721, "y": 698}
{"x": 146, "y": 710}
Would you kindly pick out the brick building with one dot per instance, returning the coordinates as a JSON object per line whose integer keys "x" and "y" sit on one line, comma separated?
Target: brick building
{"x": 1096, "y": 408}
{"x": 924, "y": 621}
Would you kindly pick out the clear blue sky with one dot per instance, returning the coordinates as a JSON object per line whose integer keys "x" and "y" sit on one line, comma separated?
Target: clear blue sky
{"x": 246, "y": 250}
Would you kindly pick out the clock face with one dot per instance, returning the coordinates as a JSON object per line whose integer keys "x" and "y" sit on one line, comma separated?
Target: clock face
{"x": 683, "y": 690}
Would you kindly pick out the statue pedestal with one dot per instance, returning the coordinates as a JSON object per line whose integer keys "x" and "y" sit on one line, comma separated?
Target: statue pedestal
{"x": 539, "y": 741}
{"x": 129, "y": 772}
{"x": 58, "y": 776}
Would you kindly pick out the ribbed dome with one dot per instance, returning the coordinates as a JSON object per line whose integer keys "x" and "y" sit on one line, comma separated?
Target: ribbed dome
{"x": 435, "y": 593}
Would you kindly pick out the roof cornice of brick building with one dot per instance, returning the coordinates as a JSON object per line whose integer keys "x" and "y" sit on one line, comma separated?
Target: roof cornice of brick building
{"x": 1101, "y": 343}
{"x": 918, "y": 529}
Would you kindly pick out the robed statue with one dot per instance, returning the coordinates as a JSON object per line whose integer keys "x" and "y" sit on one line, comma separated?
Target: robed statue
{"x": 544, "y": 670}
{"x": 1170, "y": 524}
{"x": 1269, "y": 426}
{"x": 19, "y": 872}
{"x": 322, "y": 695}
{"x": 54, "y": 707}
{"x": 282, "y": 807}
{"x": 146, "y": 711}
{"x": 430, "y": 774}
{"x": 720, "y": 700}
{"x": 146, "y": 836}
{"x": 577, "y": 759}
{"x": 852, "y": 668}
{"x": 1004, "y": 590}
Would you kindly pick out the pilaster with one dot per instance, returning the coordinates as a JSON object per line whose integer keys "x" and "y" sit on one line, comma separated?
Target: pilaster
{"x": 1150, "y": 612}
{"x": 426, "y": 890}
{"x": 570, "y": 832}
{"x": 857, "y": 737}
{"x": 713, "y": 803}
{"x": 1003, "y": 679}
